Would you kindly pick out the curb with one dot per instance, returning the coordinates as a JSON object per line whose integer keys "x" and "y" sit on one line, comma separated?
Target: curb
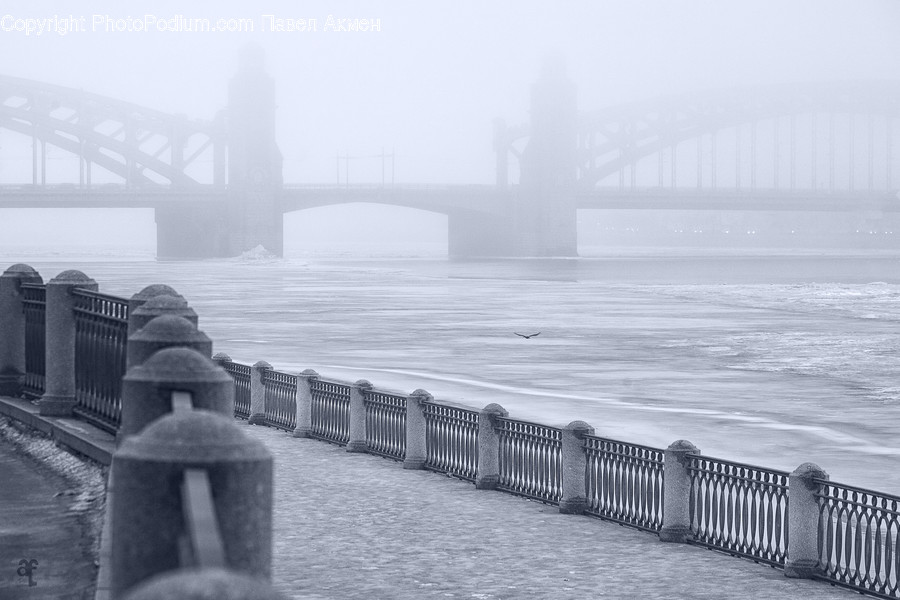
{"x": 80, "y": 438}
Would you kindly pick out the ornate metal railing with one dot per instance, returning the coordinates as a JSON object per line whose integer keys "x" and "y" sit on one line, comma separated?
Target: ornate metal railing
{"x": 530, "y": 460}
{"x": 330, "y": 411}
{"x": 101, "y": 335}
{"x": 739, "y": 508}
{"x": 241, "y": 375}
{"x": 859, "y": 539}
{"x": 34, "y": 307}
{"x": 281, "y": 399}
{"x": 385, "y": 424}
{"x": 624, "y": 482}
{"x": 451, "y": 440}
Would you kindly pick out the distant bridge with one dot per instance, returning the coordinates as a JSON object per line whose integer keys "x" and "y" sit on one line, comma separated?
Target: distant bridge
{"x": 217, "y": 190}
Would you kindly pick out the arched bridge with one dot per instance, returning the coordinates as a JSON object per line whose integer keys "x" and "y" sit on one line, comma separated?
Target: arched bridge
{"x": 793, "y": 147}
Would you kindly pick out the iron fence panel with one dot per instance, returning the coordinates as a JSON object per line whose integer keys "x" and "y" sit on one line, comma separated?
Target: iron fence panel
{"x": 241, "y": 375}
{"x": 625, "y": 482}
{"x": 385, "y": 424}
{"x": 281, "y": 399}
{"x": 101, "y": 335}
{"x": 34, "y": 308}
{"x": 330, "y": 411}
{"x": 530, "y": 460}
{"x": 451, "y": 440}
{"x": 739, "y": 508}
{"x": 859, "y": 539}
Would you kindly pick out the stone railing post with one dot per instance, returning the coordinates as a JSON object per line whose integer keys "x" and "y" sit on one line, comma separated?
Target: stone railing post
{"x": 304, "y": 403}
{"x": 138, "y": 300}
{"x": 357, "y": 441}
{"x": 574, "y": 465}
{"x": 676, "y": 525}
{"x": 12, "y": 327}
{"x": 258, "y": 393}
{"x": 803, "y": 521}
{"x": 163, "y": 332}
{"x": 221, "y": 359}
{"x": 147, "y": 507}
{"x": 147, "y": 388}
{"x": 416, "y": 450}
{"x": 488, "y": 474}
{"x": 59, "y": 384}
{"x": 162, "y": 304}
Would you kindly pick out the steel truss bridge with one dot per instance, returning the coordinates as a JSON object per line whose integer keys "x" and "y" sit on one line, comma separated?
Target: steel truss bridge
{"x": 814, "y": 146}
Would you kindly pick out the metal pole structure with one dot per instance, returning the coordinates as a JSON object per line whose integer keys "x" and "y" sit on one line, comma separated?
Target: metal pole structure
{"x": 831, "y": 153}
{"x": 712, "y": 158}
{"x": 871, "y": 152}
{"x": 815, "y": 158}
{"x": 737, "y": 168}
{"x": 699, "y": 161}
{"x": 753, "y": 155}
{"x": 674, "y": 156}
{"x": 775, "y": 152}
{"x": 889, "y": 128}
{"x": 43, "y": 162}
{"x": 382, "y": 166}
{"x": 34, "y": 149}
{"x": 392, "y": 166}
{"x": 347, "y": 170}
{"x": 793, "y": 152}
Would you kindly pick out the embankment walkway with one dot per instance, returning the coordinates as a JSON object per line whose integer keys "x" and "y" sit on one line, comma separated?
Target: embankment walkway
{"x": 352, "y": 525}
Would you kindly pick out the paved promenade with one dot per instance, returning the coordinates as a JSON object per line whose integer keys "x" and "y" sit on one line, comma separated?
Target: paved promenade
{"x": 360, "y": 526}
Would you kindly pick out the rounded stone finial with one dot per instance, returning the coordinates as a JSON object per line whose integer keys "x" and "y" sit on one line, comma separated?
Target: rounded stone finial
{"x": 163, "y": 302}
{"x": 363, "y": 383}
{"x": 169, "y": 328}
{"x": 495, "y": 410}
{"x": 683, "y": 446}
{"x": 809, "y": 472}
{"x": 580, "y": 428}
{"x": 157, "y": 289}
{"x": 196, "y": 436}
{"x": 20, "y": 270}
{"x": 203, "y": 584}
{"x": 221, "y": 357}
{"x": 72, "y": 276}
{"x": 177, "y": 364}
{"x": 310, "y": 373}
{"x": 262, "y": 365}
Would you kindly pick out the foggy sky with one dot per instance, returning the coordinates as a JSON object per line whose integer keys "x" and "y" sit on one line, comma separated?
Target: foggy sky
{"x": 429, "y": 84}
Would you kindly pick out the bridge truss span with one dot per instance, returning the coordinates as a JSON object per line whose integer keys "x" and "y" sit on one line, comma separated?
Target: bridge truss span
{"x": 829, "y": 138}
{"x": 137, "y": 145}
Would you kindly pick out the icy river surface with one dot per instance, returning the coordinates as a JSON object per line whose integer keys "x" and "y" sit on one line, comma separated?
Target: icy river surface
{"x": 764, "y": 359}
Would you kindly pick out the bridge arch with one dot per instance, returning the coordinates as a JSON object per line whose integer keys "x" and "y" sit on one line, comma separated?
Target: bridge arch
{"x": 833, "y": 136}
{"x": 137, "y": 144}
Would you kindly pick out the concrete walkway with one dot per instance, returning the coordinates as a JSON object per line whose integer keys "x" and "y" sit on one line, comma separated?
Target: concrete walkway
{"x": 360, "y": 526}
{"x": 47, "y": 501}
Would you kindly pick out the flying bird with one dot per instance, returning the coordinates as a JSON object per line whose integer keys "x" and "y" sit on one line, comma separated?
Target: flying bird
{"x": 527, "y": 337}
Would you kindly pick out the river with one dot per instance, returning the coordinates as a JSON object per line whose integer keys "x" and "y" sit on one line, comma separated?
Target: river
{"x": 754, "y": 356}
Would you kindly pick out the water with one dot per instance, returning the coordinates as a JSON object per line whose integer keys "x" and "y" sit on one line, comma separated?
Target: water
{"x": 761, "y": 358}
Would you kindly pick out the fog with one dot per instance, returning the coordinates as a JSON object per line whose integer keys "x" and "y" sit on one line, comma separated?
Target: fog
{"x": 424, "y": 88}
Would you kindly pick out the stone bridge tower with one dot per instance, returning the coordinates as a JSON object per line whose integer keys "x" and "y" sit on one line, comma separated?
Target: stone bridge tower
{"x": 254, "y": 161}
{"x": 545, "y": 216}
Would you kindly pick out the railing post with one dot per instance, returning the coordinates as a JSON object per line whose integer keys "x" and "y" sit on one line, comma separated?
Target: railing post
{"x": 162, "y": 304}
{"x": 12, "y": 327}
{"x": 488, "y": 474}
{"x": 258, "y": 393}
{"x": 304, "y": 403}
{"x": 147, "y": 507}
{"x": 59, "y": 386}
{"x": 163, "y": 332}
{"x": 416, "y": 450}
{"x": 357, "y": 441}
{"x": 574, "y": 465}
{"x": 139, "y": 299}
{"x": 803, "y": 521}
{"x": 221, "y": 359}
{"x": 147, "y": 387}
{"x": 676, "y": 525}
{"x": 175, "y": 583}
